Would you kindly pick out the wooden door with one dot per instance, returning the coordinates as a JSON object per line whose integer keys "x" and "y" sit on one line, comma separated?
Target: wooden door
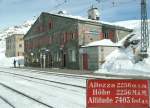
{"x": 85, "y": 61}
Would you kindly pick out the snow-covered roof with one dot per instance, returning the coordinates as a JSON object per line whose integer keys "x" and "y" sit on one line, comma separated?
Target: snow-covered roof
{"x": 104, "y": 42}
{"x": 89, "y": 20}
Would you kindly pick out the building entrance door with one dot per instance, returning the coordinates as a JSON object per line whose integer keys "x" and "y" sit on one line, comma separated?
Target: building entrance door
{"x": 64, "y": 60}
{"x": 85, "y": 61}
{"x": 49, "y": 61}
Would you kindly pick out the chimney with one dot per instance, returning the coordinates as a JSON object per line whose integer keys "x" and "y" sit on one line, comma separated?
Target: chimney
{"x": 93, "y": 13}
{"x": 62, "y": 12}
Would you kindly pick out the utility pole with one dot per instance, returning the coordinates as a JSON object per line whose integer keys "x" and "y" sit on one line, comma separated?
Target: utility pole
{"x": 144, "y": 30}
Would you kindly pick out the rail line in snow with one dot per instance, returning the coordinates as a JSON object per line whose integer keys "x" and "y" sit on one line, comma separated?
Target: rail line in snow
{"x": 39, "y": 82}
{"x": 7, "y": 102}
{"x": 43, "y": 79}
{"x": 25, "y": 95}
{"x": 75, "y": 76}
{"x": 83, "y": 76}
{"x": 90, "y": 76}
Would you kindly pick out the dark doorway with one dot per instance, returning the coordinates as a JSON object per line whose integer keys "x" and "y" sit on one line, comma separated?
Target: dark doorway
{"x": 64, "y": 60}
{"x": 51, "y": 61}
{"x": 85, "y": 61}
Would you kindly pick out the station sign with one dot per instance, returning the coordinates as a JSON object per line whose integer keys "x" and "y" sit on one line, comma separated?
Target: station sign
{"x": 117, "y": 93}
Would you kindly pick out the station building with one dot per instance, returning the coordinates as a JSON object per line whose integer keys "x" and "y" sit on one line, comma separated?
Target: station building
{"x": 55, "y": 40}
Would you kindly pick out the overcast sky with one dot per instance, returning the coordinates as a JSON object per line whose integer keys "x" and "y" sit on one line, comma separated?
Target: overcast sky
{"x": 13, "y": 12}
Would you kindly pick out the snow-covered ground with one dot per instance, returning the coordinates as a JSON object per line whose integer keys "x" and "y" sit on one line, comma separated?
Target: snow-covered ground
{"x": 53, "y": 94}
{"x": 19, "y": 29}
{"x": 121, "y": 61}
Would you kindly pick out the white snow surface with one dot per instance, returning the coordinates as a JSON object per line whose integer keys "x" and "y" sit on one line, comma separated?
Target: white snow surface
{"x": 104, "y": 42}
{"x": 54, "y": 94}
{"x": 122, "y": 60}
{"x": 132, "y": 24}
{"x": 17, "y": 29}
{"x": 86, "y": 19}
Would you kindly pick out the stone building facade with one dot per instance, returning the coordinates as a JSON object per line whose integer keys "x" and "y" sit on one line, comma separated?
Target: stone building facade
{"x": 15, "y": 45}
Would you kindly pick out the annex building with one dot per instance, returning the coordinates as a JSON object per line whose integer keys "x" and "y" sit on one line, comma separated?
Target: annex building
{"x": 15, "y": 45}
{"x": 54, "y": 40}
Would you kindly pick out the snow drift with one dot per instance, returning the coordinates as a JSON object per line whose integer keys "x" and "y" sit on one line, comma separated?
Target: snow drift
{"x": 122, "y": 59}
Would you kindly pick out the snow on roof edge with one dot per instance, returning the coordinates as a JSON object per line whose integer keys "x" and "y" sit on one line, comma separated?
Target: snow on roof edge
{"x": 103, "y": 42}
{"x": 86, "y": 19}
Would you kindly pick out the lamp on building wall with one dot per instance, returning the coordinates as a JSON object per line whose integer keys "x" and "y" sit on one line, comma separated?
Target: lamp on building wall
{"x": 61, "y": 48}
{"x": 31, "y": 53}
{"x": 41, "y": 56}
{"x": 31, "y": 56}
{"x": 47, "y": 50}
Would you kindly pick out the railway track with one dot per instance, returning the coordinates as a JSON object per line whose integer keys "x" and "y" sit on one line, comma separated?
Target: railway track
{"x": 7, "y": 102}
{"x": 87, "y": 76}
{"x": 75, "y": 76}
{"x": 23, "y": 94}
{"x": 47, "y": 84}
{"x": 43, "y": 79}
{"x": 40, "y": 80}
{"x": 90, "y": 76}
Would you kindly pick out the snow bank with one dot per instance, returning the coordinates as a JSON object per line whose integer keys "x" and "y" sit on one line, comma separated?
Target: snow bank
{"x": 8, "y": 62}
{"x": 132, "y": 24}
{"x": 122, "y": 59}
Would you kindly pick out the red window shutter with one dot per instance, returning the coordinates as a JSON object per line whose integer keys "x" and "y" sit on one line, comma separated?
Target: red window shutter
{"x": 101, "y": 35}
{"x": 65, "y": 37}
{"x": 68, "y": 36}
{"x": 41, "y": 29}
{"x": 76, "y": 34}
{"x": 38, "y": 29}
{"x": 50, "y": 40}
{"x": 50, "y": 25}
{"x": 111, "y": 35}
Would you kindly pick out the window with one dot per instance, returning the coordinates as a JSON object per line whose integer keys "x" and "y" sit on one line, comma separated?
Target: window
{"x": 50, "y": 25}
{"x": 65, "y": 38}
{"x": 72, "y": 55}
{"x": 20, "y": 45}
{"x": 7, "y": 47}
{"x": 72, "y": 35}
{"x": 56, "y": 56}
{"x": 106, "y": 35}
{"x": 40, "y": 29}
